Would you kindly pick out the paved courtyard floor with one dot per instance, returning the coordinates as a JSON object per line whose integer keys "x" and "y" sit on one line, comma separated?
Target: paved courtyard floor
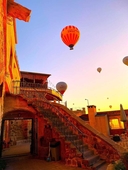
{"x": 36, "y": 164}
{"x": 24, "y": 160}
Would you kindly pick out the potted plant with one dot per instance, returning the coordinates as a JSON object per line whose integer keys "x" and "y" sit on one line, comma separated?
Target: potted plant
{"x": 119, "y": 166}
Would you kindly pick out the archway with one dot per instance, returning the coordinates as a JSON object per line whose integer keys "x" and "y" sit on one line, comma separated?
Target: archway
{"x": 18, "y": 133}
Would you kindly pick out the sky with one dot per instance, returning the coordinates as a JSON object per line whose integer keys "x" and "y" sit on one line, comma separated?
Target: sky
{"x": 103, "y": 26}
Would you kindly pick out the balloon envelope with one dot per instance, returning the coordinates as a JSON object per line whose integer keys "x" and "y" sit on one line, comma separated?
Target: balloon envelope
{"x": 110, "y": 106}
{"x": 61, "y": 87}
{"x": 99, "y": 69}
{"x": 70, "y": 36}
{"x": 125, "y": 60}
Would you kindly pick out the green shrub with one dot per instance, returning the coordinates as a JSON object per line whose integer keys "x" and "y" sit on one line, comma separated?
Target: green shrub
{"x": 120, "y": 166}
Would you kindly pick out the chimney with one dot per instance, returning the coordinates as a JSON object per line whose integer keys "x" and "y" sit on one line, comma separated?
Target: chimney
{"x": 91, "y": 114}
{"x": 84, "y": 111}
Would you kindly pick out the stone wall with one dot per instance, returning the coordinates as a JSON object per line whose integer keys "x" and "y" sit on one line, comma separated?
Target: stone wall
{"x": 13, "y": 103}
{"x": 101, "y": 144}
{"x": 2, "y": 51}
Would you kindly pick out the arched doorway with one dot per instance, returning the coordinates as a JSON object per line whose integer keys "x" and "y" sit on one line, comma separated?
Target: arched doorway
{"x": 18, "y": 133}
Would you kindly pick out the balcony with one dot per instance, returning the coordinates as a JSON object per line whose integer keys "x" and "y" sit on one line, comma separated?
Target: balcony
{"x": 35, "y": 90}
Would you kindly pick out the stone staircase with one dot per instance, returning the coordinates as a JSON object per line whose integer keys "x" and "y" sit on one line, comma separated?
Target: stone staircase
{"x": 91, "y": 159}
{"x": 88, "y": 156}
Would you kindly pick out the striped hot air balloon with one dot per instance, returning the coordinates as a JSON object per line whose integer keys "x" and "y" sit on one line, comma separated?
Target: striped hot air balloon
{"x": 70, "y": 36}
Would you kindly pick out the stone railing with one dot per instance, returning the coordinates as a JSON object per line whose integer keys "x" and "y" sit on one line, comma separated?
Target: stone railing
{"x": 101, "y": 144}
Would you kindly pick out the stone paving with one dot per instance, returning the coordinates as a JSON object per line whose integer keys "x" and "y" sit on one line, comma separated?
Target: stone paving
{"x": 36, "y": 164}
{"x": 26, "y": 162}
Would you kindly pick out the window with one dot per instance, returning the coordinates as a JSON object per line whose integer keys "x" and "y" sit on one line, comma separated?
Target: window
{"x": 115, "y": 123}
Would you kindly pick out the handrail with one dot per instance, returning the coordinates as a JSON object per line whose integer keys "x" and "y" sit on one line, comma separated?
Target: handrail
{"x": 73, "y": 125}
{"x": 34, "y": 86}
{"x": 31, "y": 85}
{"x": 19, "y": 84}
{"x": 57, "y": 110}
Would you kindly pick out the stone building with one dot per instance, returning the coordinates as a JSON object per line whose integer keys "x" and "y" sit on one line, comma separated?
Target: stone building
{"x": 30, "y": 109}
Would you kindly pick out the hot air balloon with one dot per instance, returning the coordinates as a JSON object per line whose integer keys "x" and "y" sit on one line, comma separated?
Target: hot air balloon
{"x": 99, "y": 69}
{"x": 70, "y": 35}
{"x": 110, "y": 106}
{"x": 61, "y": 87}
{"x": 125, "y": 60}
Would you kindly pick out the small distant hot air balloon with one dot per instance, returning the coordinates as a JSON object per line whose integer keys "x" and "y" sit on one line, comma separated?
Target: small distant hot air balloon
{"x": 70, "y": 36}
{"x": 99, "y": 69}
{"x": 110, "y": 106}
{"x": 125, "y": 60}
{"x": 61, "y": 87}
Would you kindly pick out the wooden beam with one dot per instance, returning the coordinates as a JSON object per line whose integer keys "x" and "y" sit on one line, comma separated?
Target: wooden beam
{"x": 18, "y": 11}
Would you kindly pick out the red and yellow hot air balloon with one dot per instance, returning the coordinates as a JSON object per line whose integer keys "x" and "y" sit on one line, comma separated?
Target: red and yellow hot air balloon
{"x": 61, "y": 87}
{"x": 70, "y": 36}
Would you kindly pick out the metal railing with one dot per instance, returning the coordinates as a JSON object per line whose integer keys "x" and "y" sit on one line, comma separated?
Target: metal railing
{"x": 19, "y": 87}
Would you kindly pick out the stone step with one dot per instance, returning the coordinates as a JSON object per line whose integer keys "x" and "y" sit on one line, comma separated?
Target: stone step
{"x": 83, "y": 147}
{"x": 99, "y": 164}
{"x": 53, "y": 118}
{"x": 65, "y": 131}
{"x": 57, "y": 124}
{"x": 71, "y": 137}
{"x": 61, "y": 129}
{"x": 77, "y": 142}
{"x": 102, "y": 167}
{"x": 92, "y": 159}
{"x": 87, "y": 153}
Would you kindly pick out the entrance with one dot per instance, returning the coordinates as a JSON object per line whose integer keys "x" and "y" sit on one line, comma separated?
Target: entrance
{"x": 19, "y": 134}
{"x": 16, "y": 137}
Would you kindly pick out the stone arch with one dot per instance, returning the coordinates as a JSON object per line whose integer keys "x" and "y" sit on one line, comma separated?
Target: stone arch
{"x": 19, "y": 114}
